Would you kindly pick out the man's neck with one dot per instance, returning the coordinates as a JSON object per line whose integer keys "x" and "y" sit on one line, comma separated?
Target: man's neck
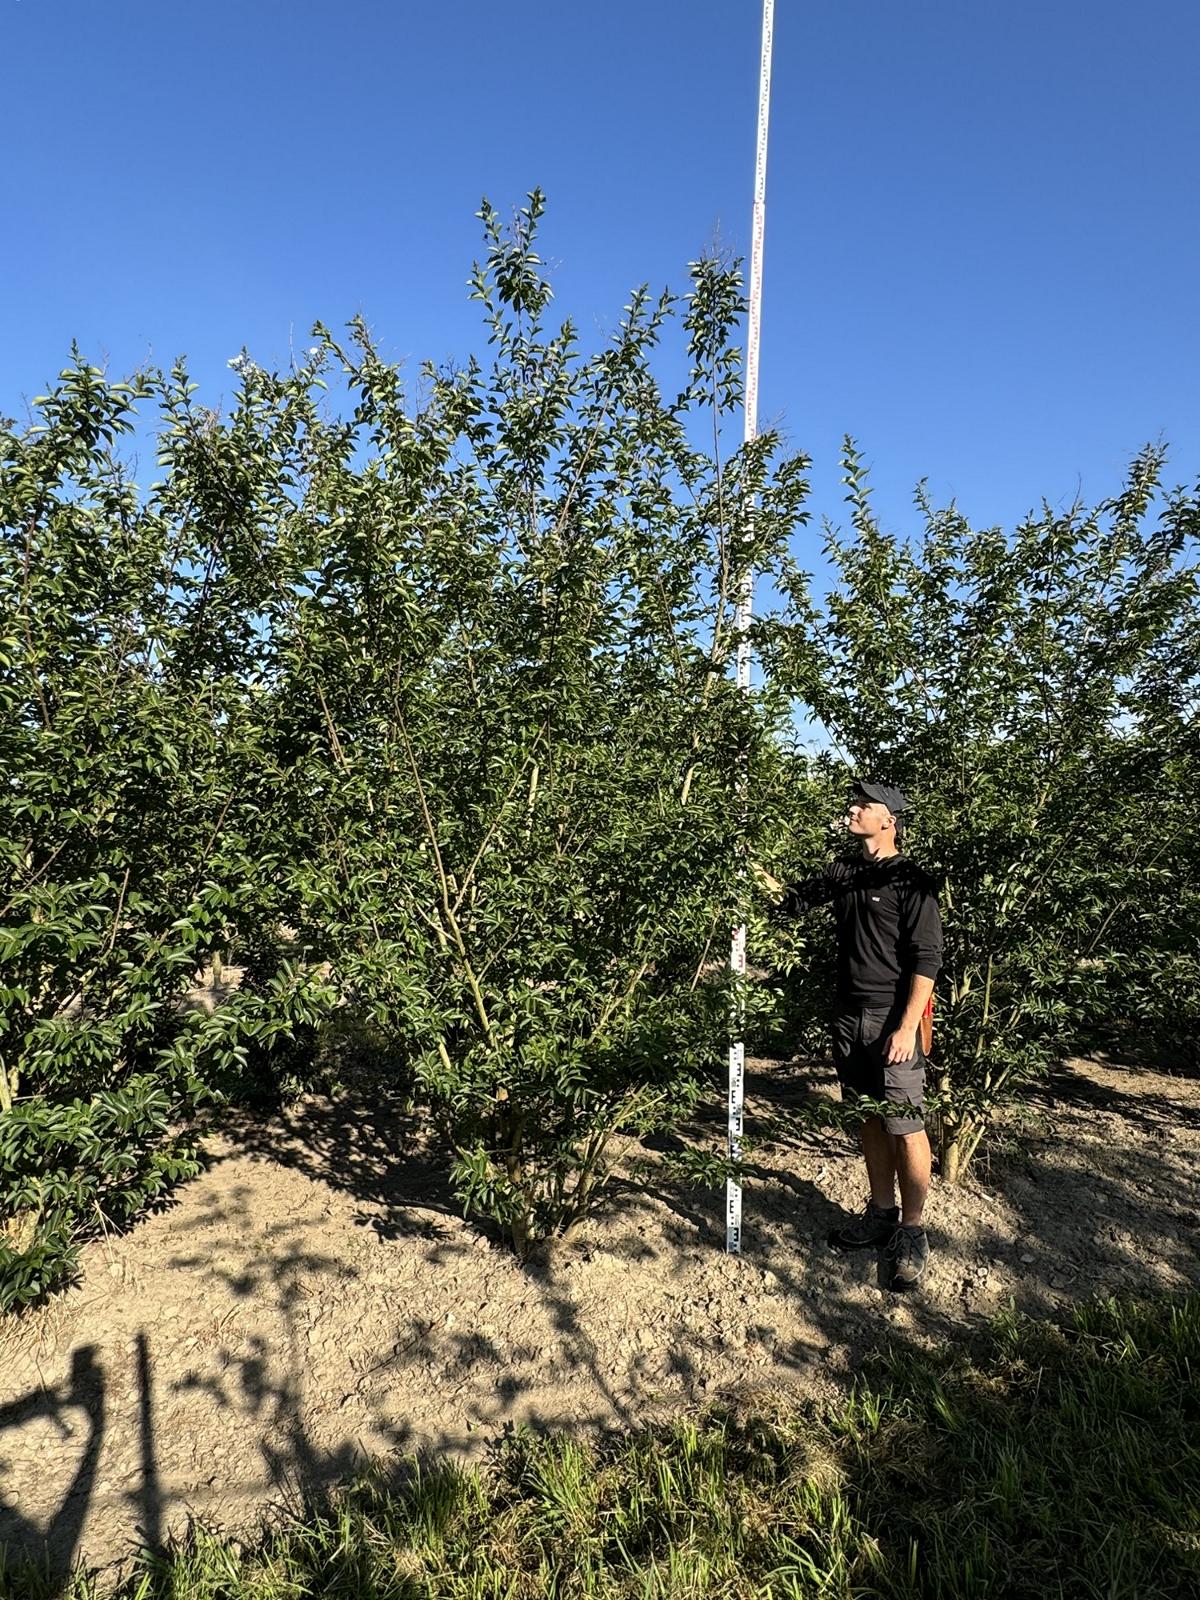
{"x": 879, "y": 849}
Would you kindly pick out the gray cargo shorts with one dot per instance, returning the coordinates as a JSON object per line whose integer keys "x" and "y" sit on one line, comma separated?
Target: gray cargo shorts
{"x": 859, "y": 1045}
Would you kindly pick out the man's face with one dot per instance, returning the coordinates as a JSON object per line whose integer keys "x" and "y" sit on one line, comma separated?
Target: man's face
{"x": 867, "y": 818}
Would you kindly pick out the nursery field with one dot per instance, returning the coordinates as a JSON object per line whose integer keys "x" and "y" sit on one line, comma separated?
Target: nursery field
{"x": 313, "y": 1301}
{"x": 378, "y": 807}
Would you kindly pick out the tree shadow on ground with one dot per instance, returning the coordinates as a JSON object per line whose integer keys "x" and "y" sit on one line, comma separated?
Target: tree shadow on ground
{"x": 1085, "y": 1224}
{"x": 1094, "y": 1180}
{"x": 1097, "y": 1217}
{"x": 1060, "y": 1203}
{"x": 1148, "y": 1099}
{"x": 372, "y": 1147}
{"x": 788, "y": 1313}
{"x": 38, "y": 1554}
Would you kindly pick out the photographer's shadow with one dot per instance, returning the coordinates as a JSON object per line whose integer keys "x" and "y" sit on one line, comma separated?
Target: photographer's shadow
{"x": 52, "y": 1546}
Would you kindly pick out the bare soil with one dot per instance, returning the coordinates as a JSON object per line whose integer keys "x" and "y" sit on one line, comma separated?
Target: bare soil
{"x": 313, "y": 1300}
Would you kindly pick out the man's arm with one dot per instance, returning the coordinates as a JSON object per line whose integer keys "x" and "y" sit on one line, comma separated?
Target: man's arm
{"x": 902, "y": 1046}
{"x": 923, "y": 937}
{"x": 791, "y": 900}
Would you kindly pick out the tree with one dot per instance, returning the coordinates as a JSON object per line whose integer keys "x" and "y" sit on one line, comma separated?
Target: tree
{"x": 435, "y": 682}
{"x": 123, "y": 852}
{"x": 496, "y": 649}
{"x": 1036, "y": 693}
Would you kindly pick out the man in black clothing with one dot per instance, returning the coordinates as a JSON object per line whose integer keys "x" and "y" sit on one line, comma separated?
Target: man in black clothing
{"x": 889, "y": 949}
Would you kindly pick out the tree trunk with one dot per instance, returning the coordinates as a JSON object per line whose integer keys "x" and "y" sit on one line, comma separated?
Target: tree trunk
{"x": 519, "y": 1233}
{"x": 957, "y": 1144}
{"x": 513, "y": 1134}
{"x": 951, "y": 1156}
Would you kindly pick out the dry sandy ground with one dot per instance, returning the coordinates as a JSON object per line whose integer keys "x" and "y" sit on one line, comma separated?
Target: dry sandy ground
{"x": 312, "y": 1299}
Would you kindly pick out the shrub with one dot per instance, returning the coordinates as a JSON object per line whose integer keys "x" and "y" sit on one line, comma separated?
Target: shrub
{"x": 495, "y": 630}
{"x": 1036, "y": 695}
{"x": 125, "y": 847}
{"x": 440, "y": 684}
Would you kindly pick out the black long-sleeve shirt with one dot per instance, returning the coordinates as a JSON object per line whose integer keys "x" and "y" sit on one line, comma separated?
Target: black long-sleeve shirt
{"x": 888, "y": 925}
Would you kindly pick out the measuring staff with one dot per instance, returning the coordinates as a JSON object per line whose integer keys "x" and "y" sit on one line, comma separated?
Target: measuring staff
{"x": 744, "y": 614}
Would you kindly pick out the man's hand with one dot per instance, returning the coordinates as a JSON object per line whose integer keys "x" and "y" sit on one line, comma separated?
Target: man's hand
{"x": 766, "y": 881}
{"x": 902, "y": 1046}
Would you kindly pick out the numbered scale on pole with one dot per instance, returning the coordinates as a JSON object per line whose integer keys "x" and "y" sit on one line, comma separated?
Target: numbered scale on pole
{"x": 745, "y": 611}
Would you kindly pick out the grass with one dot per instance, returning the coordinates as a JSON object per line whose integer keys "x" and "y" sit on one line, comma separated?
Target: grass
{"x": 1057, "y": 1462}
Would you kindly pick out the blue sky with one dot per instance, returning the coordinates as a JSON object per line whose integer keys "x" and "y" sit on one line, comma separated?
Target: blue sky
{"x": 982, "y": 236}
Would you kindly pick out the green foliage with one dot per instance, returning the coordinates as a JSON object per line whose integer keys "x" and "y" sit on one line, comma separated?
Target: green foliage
{"x": 1146, "y": 983}
{"x": 802, "y": 798}
{"x": 1056, "y": 1461}
{"x": 1036, "y": 694}
{"x": 492, "y": 627}
{"x": 413, "y": 698}
{"x": 129, "y": 829}
{"x": 427, "y": 690}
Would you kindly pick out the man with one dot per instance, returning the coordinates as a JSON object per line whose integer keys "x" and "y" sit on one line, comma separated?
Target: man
{"x": 889, "y": 949}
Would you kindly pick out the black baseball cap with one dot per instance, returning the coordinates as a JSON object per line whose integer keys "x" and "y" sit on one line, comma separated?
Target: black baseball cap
{"x": 894, "y": 799}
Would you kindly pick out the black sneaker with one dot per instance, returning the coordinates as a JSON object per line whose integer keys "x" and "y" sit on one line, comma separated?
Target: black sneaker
{"x": 874, "y": 1225}
{"x": 908, "y": 1256}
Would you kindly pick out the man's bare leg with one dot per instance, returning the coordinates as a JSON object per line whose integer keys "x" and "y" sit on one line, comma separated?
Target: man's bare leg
{"x": 880, "y": 1153}
{"x": 913, "y": 1163}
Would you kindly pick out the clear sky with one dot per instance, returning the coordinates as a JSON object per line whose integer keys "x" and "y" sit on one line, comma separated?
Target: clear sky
{"x": 983, "y": 231}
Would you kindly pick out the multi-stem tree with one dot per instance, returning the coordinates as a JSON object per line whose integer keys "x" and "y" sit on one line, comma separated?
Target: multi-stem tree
{"x": 1037, "y": 694}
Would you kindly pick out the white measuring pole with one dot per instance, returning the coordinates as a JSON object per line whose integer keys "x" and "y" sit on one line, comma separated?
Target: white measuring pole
{"x": 745, "y": 610}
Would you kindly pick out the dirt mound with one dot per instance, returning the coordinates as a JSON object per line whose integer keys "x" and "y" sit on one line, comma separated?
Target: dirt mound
{"x": 312, "y": 1300}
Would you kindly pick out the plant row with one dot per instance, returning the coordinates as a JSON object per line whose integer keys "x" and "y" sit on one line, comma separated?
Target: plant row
{"x": 414, "y": 699}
